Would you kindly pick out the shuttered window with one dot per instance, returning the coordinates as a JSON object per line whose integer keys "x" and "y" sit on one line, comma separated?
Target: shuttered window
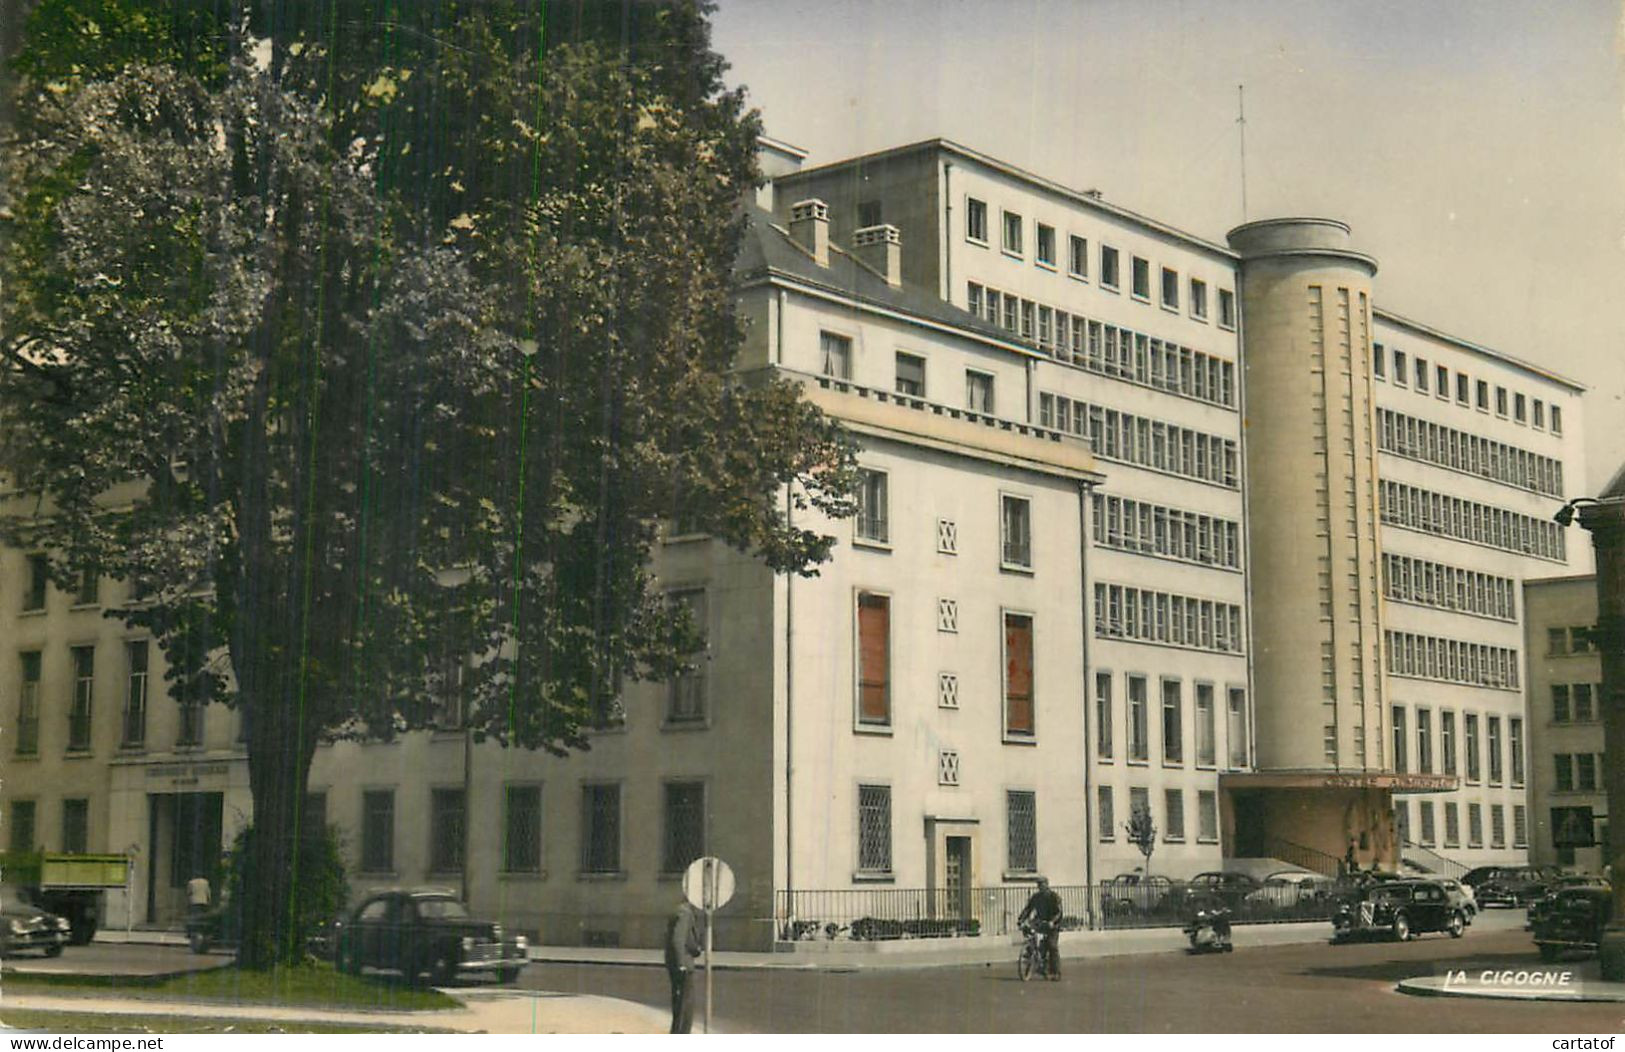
{"x": 874, "y": 658}
{"x": 1018, "y": 675}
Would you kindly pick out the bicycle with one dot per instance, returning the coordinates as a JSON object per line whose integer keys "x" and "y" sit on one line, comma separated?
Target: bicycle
{"x": 1032, "y": 954}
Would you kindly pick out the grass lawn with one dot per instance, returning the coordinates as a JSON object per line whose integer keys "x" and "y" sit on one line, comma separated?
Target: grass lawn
{"x": 102, "y": 1023}
{"x": 317, "y": 985}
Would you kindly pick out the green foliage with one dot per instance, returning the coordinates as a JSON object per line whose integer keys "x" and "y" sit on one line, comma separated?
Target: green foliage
{"x": 321, "y": 888}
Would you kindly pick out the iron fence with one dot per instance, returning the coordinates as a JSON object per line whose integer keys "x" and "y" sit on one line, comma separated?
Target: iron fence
{"x": 871, "y": 914}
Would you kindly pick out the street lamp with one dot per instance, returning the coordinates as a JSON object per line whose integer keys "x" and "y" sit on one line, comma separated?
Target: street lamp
{"x": 1604, "y": 517}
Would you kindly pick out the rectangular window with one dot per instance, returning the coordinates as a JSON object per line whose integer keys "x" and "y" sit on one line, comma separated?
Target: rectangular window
{"x": 1173, "y": 722}
{"x": 1482, "y": 391}
{"x": 1447, "y": 741}
{"x": 1563, "y": 768}
{"x": 874, "y": 829}
{"x": 1493, "y": 728}
{"x": 1227, "y": 309}
{"x": 84, "y": 690}
{"x": 1199, "y": 299}
{"x": 1515, "y": 745}
{"x": 1475, "y": 825}
{"x": 910, "y": 375}
{"x": 38, "y": 579}
{"x": 1170, "y": 288}
{"x": 1520, "y": 408}
{"x": 979, "y": 391}
{"x": 23, "y": 835}
{"x": 76, "y": 825}
{"x": 684, "y": 836}
{"x": 378, "y": 831}
{"x": 976, "y": 220}
{"x": 1463, "y": 386}
{"x": 1107, "y": 817}
{"x": 1520, "y": 826}
{"x": 1557, "y": 641}
{"x": 1424, "y": 741}
{"x": 1557, "y": 420}
{"x": 1108, "y": 270}
{"x": 1401, "y": 374}
{"x": 1379, "y": 361}
{"x": 1016, "y": 532}
{"x": 1141, "y": 278}
{"x": 874, "y": 659}
{"x": 837, "y": 355}
{"x": 1470, "y": 729}
{"x": 1581, "y": 693}
{"x": 1452, "y": 825}
{"x": 1103, "y": 715}
{"x": 1401, "y": 742}
{"x": 872, "y": 517}
{"x": 86, "y": 593}
{"x": 1206, "y": 748}
{"x": 686, "y": 698}
{"x": 1585, "y": 771}
{"x": 1012, "y": 233}
{"x": 1425, "y": 807}
{"x": 1018, "y": 675}
{"x": 1173, "y": 801}
{"x": 1078, "y": 256}
{"x": 522, "y": 829}
{"x": 868, "y": 214}
{"x": 1498, "y": 826}
{"x": 1022, "y": 845}
{"x": 1500, "y": 401}
{"x": 1236, "y": 729}
{"x": 601, "y": 828}
{"x": 1046, "y": 245}
{"x": 447, "y": 824}
{"x": 1441, "y": 386}
{"x": 1138, "y": 745}
{"x": 1422, "y": 375}
{"x": 28, "y": 704}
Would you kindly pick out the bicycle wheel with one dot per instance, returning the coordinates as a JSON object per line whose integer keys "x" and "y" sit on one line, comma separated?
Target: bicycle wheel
{"x": 1024, "y": 963}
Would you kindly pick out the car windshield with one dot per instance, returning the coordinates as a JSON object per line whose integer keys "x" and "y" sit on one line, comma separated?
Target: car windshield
{"x": 442, "y": 909}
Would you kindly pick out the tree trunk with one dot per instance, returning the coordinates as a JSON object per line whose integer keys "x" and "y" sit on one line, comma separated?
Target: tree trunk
{"x": 280, "y": 753}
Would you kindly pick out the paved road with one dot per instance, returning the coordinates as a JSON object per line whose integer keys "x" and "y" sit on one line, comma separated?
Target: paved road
{"x": 103, "y": 958}
{"x": 1302, "y": 988}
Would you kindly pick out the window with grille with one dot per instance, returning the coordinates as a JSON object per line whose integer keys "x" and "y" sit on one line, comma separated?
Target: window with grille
{"x": 522, "y": 829}
{"x": 1103, "y": 715}
{"x": 947, "y": 766}
{"x": 947, "y": 537}
{"x": 28, "y": 704}
{"x": 1520, "y": 826}
{"x": 446, "y": 830}
{"x": 1174, "y": 808}
{"x": 1173, "y": 722}
{"x": 836, "y": 352}
{"x": 1207, "y": 816}
{"x": 1016, "y": 532}
{"x": 84, "y": 689}
{"x": 1236, "y": 728}
{"x": 872, "y": 507}
{"x": 685, "y": 826}
{"x": 874, "y": 829}
{"x": 1018, "y": 675}
{"x": 600, "y": 828}
{"x": 1022, "y": 811}
{"x": 378, "y": 830}
{"x": 135, "y": 695}
{"x": 1106, "y": 817}
{"x": 76, "y": 825}
{"x": 686, "y": 696}
{"x": 1475, "y": 825}
{"x": 874, "y": 659}
{"x": 1498, "y": 826}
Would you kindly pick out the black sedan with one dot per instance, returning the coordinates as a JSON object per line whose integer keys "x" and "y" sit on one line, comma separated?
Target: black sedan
{"x": 426, "y": 932}
{"x": 1507, "y": 885}
{"x": 24, "y": 926}
{"x": 1574, "y": 920}
{"x": 1402, "y": 909}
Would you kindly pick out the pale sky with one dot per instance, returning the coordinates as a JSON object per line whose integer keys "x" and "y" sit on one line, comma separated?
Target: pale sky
{"x": 1476, "y": 147}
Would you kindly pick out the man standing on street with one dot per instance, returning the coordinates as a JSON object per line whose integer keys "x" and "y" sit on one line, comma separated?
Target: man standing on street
{"x": 682, "y": 949}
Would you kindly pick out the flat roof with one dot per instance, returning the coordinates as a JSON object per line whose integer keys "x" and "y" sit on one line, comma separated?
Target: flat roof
{"x": 1478, "y": 348}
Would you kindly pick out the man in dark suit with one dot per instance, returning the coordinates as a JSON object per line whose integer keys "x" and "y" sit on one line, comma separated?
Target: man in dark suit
{"x": 682, "y": 949}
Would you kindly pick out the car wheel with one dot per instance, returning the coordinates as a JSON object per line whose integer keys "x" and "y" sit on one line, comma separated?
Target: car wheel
{"x": 53, "y": 951}
{"x": 1402, "y": 928}
{"x": 198, "y": 941}
{"x": 1458, "y": 925}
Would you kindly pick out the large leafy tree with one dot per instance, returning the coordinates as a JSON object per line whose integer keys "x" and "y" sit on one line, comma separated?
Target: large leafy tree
{"x": 369, "y": 345}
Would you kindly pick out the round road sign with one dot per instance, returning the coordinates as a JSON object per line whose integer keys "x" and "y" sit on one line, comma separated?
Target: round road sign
{"x": 708, "y": 883}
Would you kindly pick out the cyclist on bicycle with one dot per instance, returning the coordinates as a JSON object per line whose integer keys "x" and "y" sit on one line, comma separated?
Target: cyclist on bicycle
{"x": 1045, "y": 910}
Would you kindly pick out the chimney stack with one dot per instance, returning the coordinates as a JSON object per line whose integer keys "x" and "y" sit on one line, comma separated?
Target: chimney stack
{"x": 880, "y": 248}
{"x": 809, "y": 228}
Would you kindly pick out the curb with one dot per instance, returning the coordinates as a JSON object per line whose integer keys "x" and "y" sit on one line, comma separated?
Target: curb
{"x": 1581, "y": 990}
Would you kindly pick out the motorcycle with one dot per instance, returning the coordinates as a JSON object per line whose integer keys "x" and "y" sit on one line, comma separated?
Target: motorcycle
{"x": 1209, "y": 931}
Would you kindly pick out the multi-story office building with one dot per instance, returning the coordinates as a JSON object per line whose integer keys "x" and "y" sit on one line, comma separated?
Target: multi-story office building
{"x": 1568, "y": 797}
{"x": 1078, "y": 587}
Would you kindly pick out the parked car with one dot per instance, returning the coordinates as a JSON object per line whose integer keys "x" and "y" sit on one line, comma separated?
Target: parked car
{"x": 426, "y": 931}
{"x": 1134, "y": 893}
{"x": 24, "y": 926}
{"x": 1507, "y": 885}
{"x": 1290, "y": 889}
{"x": 1461, "y": 896}
{"x": 1574, "y": 920}
{"x": 1541, "y": 905}
{"x": 1400, "y": 908}
{"x": 1227, "y": 889}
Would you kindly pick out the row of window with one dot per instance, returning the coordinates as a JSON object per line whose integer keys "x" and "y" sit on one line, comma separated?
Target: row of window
{"x": 1172, "y": 821}
{"x": 1447, "y": 447}
{"x": 874, "y": 666}
{"x": 1013, "y": 242}
{"x": 1465, "y": 520}
{"x": 1571, "y": 639}
{"x": 1428, "y": 833}
{"x": 22, "y": 823}
{"x": 600, "y": 850}
{"x": 835, "y": 361}
{"x": 1451, "y": 661}
{"x": 1578, "y": 772}
{"x": 79, "y": 712}
{"x": 1469, "y": 743}
{"x": 1447, "y": 587}
{"x": 873, "y": 523}
{"x": 1576, "y": 702}
{"x": 38, "y": 586}
{"x": 1136, "y": 720}
{"x": 1145, "y": 616}
{"x": 1144, "y": 442}
{"x": 1467, "y": 391}
{"x": 1153, "y": 529}
{"x": 1108, "y": 349}
{"x": 874, "y": 846}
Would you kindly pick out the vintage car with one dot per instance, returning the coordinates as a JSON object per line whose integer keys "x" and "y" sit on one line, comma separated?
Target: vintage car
{"x": 24, "y": 926}
{"x": 1461, "y": 895}
{"x": 1290, "y": 889}
{"x": 1205, "y": 890}
{"x": 1572, "y": 918}
{"x": 1508, "y": 885}
{"x": 1400, "y": 908}
{"x": 1134, "y": 893}
{"x": 426, "y": 931}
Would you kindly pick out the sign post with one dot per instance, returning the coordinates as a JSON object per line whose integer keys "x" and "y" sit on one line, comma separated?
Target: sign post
{"x": 708, "y": 884}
